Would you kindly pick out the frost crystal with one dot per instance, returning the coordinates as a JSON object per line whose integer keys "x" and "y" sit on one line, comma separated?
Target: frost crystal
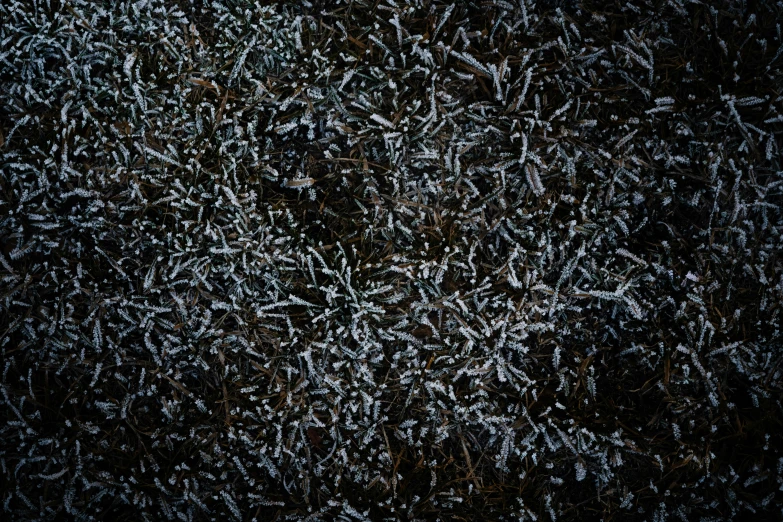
{"x": 410, "y": 259}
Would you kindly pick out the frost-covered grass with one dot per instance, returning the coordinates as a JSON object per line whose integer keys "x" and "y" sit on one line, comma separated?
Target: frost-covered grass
{"x": 394, "y": 260}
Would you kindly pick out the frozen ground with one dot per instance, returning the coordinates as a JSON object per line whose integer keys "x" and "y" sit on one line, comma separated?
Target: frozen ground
{"x": 392, "y": 260}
